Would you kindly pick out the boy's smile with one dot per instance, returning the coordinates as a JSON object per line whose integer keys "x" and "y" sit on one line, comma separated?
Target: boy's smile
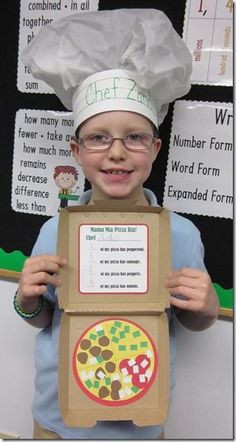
{"x": 116, "y": 172}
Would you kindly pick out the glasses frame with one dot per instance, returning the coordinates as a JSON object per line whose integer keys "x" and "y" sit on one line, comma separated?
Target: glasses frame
{"x": 82, "y": 141}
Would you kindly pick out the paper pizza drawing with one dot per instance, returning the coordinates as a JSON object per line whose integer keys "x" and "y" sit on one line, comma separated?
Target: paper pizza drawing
{"x": 115, "y": 362}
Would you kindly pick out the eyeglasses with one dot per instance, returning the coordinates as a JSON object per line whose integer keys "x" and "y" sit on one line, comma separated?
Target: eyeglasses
{"x": 135, "y": 141}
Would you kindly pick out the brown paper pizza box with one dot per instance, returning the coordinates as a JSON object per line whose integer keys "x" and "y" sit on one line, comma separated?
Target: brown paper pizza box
{"x": 114, "y": 342}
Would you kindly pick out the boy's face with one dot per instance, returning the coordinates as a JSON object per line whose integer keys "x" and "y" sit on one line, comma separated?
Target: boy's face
{"x": 116, "y": 172}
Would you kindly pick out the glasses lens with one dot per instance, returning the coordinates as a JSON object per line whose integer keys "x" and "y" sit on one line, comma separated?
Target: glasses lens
{"x": 97, "y": 141}
{"x": 138, "y": 141}
{"x": 133, "y": 141}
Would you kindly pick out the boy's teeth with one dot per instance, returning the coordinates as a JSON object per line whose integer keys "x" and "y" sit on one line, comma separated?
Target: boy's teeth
{"x": 116, "y": 172}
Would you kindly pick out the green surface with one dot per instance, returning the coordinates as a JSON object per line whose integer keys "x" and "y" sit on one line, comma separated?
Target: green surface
{"x": 225, "y": 296}
{"x": 12, "y": 261}
{"x": 68, "y": 197}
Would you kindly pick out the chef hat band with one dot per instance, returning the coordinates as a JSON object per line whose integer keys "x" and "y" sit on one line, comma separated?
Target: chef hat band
{"x": 108, "y": 91}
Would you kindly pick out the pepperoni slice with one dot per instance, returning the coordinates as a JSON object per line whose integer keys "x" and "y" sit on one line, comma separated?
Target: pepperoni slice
{"x": 143, "y": 363}
{"x": 124, "y": 367}
{"x": 139, "y": 380}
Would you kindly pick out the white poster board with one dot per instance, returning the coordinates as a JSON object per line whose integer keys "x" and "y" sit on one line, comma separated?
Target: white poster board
{"x": 199, "y": 178}
{"x": 42, "y": 159}
{"x": 33, "y": 16}
{"x": 208, "y": 33}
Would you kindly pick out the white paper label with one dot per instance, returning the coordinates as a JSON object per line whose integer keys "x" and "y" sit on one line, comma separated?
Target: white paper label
{"x": 113, "y": 258}
{"x": 199, "y": 177}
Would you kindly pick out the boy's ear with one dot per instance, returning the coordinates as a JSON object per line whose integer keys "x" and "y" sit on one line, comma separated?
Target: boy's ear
{"x": 75, "y": 150}
{"x": 157, "y": 148}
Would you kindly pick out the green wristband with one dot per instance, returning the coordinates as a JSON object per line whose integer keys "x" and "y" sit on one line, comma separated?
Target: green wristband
{"x": 26, "y": 315}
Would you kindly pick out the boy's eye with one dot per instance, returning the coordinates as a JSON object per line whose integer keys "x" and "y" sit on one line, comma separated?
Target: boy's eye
{"x": 138, "y": 138}
{"x": 97, "y": 138}
{"x": 135, "y": 136}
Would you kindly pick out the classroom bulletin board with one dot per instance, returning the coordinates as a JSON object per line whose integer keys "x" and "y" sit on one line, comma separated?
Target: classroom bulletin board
{"x": 193, "y": 174}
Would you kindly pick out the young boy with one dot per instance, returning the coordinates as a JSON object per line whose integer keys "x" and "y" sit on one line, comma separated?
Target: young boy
{"x": 116, "y": 142}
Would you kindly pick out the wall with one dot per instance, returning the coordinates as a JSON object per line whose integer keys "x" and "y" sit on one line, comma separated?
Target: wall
{"x": 202, "y": 401}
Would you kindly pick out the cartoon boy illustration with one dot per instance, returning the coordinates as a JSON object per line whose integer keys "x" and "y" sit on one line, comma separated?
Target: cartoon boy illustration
{"x": 65, "y": 178}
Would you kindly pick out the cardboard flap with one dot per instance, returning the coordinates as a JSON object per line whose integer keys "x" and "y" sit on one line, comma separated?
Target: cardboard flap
{"x": 118, "y": 258}
{"x": 63, "y": 250}
{"x": 117, "y": 205}
{"x": 95, "y": 354}
{"x": 113, "y": 206}
{"x": 151, "y": 309}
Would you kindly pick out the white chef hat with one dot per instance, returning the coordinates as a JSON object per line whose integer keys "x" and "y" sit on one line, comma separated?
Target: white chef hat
{"x": 123, "y": 59}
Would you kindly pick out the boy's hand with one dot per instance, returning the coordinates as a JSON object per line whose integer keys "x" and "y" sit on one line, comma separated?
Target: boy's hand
{"x": 37, "y": 273}
{"x": 194, "y": 292}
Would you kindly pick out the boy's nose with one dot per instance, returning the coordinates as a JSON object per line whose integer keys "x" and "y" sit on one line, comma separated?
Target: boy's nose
{"x": 117, "y": 149}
